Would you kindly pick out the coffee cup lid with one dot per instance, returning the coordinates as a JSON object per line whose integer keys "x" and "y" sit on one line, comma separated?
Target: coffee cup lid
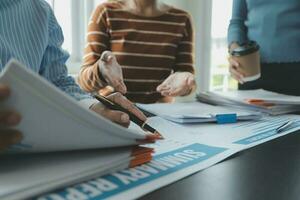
{"x": 245, "y": 49}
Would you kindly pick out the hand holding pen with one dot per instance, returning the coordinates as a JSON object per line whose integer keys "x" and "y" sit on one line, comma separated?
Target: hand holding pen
{"x": 118, "y": 116}
{"x": 134, "y": 114}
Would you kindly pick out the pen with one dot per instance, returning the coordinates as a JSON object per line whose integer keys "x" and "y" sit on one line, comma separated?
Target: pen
{"x": 114, "y": 106}
{"x": 283, "y": 127}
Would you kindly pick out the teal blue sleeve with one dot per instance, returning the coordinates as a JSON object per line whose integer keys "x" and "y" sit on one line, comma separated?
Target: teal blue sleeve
{"x": 237, "y": 31}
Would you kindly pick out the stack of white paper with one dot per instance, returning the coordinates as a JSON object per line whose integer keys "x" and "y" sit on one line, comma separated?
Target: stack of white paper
{"x": 24, "y": 176}
{"x": 196, "y": 112}
{"x": 257, "y": 100}
{"x": 54, "y": 122}
{"x": 209, "y": 144}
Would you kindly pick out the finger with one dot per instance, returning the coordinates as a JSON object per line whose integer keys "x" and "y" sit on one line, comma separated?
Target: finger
{"x": 191, "y": 81}
{"x": 166, "y": 93}
{"x": 236, "y": 72}
{"x": 105, "y": 56}
{"x": 163, "y": 87}
{"x": 117, "y": 117}
{"x": 166, "y": 89}
{"x": 119, "y": 86}
{"x": 9, "y": 118}
{"x": 9, "y": 137}
{"x": 128, "y": 105}
{"x": 4, "y": 91}
{"x": 237, "y": 76}
{"x": 164, "y": 84}
{"x": 160, "y": 87}
{"x": 110, "y": 58}
{"x": 235, "y": 66}
{"x": 233, "y": 62}
{"x": 178, "y": 92}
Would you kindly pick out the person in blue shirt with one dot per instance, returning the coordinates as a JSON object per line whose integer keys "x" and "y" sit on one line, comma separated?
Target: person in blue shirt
{"x": 30, "y": 33}
{"x": 275, "y": 26}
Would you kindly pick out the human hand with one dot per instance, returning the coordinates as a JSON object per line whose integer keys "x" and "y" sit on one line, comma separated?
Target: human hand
{"x": 118, "y": 116}
{"x": 112, "y": 72}
{"x": 234, "y": 66}
{"x": 177, "y": 84}
{"x": 235, "y": 70}
{"x": 9, "y": 137}
{"x": 8, "y": 119}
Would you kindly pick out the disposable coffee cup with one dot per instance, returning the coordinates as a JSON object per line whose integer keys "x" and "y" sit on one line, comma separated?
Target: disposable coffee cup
{"x": 247, "y": 55}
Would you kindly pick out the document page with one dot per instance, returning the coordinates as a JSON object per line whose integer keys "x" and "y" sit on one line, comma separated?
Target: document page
{"x": 22, "y": 176}
{"x": 185, "y": 150}
{"x": 195, "y": 112}
{"x": 260, "y": 94}
{"x": 53, "y": 121}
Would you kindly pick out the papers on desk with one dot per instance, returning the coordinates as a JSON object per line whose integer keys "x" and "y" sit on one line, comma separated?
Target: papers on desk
{"x": 255, "y": 100}
{"x": 186, "y": 149}
{"x": 197, "y": 112}
{"x": 23, "y": 176}
{"x": 261, "y": 96}
{"x": 53, "y": 121}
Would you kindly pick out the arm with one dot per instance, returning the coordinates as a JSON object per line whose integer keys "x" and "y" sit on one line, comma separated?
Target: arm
{"x": 182, "y": 81}
{"x": 237, "y": 34}
{"x": 53, "y": 65}
{"x": 97, "y": 42}
{"x": 237, "y": 30}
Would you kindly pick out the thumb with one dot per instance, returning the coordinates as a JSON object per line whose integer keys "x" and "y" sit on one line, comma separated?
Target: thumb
{"x": 191, "y": 81}
{"x": 110, "y": 59}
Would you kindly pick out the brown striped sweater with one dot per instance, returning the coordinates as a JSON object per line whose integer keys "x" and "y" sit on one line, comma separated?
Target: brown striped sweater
{"x": 149, "y": 49}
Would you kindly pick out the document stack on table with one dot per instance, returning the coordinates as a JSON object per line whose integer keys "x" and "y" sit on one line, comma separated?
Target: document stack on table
{"x": 197, "y": 112}
{"x": 256, "y": 100}
{"x": 54, "y": 122}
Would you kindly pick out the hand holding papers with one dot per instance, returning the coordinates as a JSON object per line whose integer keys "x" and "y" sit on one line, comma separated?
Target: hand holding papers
{"x": 132, "y": 116}
{"x": 198, "y": 113}
{"x": 53, "y": 121}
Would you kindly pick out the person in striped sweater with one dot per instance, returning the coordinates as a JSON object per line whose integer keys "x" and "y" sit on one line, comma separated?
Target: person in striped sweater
{"x": 29, "y": 32}
{"x": 141, "y": 48}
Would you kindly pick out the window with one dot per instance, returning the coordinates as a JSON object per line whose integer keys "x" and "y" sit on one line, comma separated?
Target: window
{"x": 73, "y": 16}
{"x": 62, "y": 10}
{"x": 220, "y": 78}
